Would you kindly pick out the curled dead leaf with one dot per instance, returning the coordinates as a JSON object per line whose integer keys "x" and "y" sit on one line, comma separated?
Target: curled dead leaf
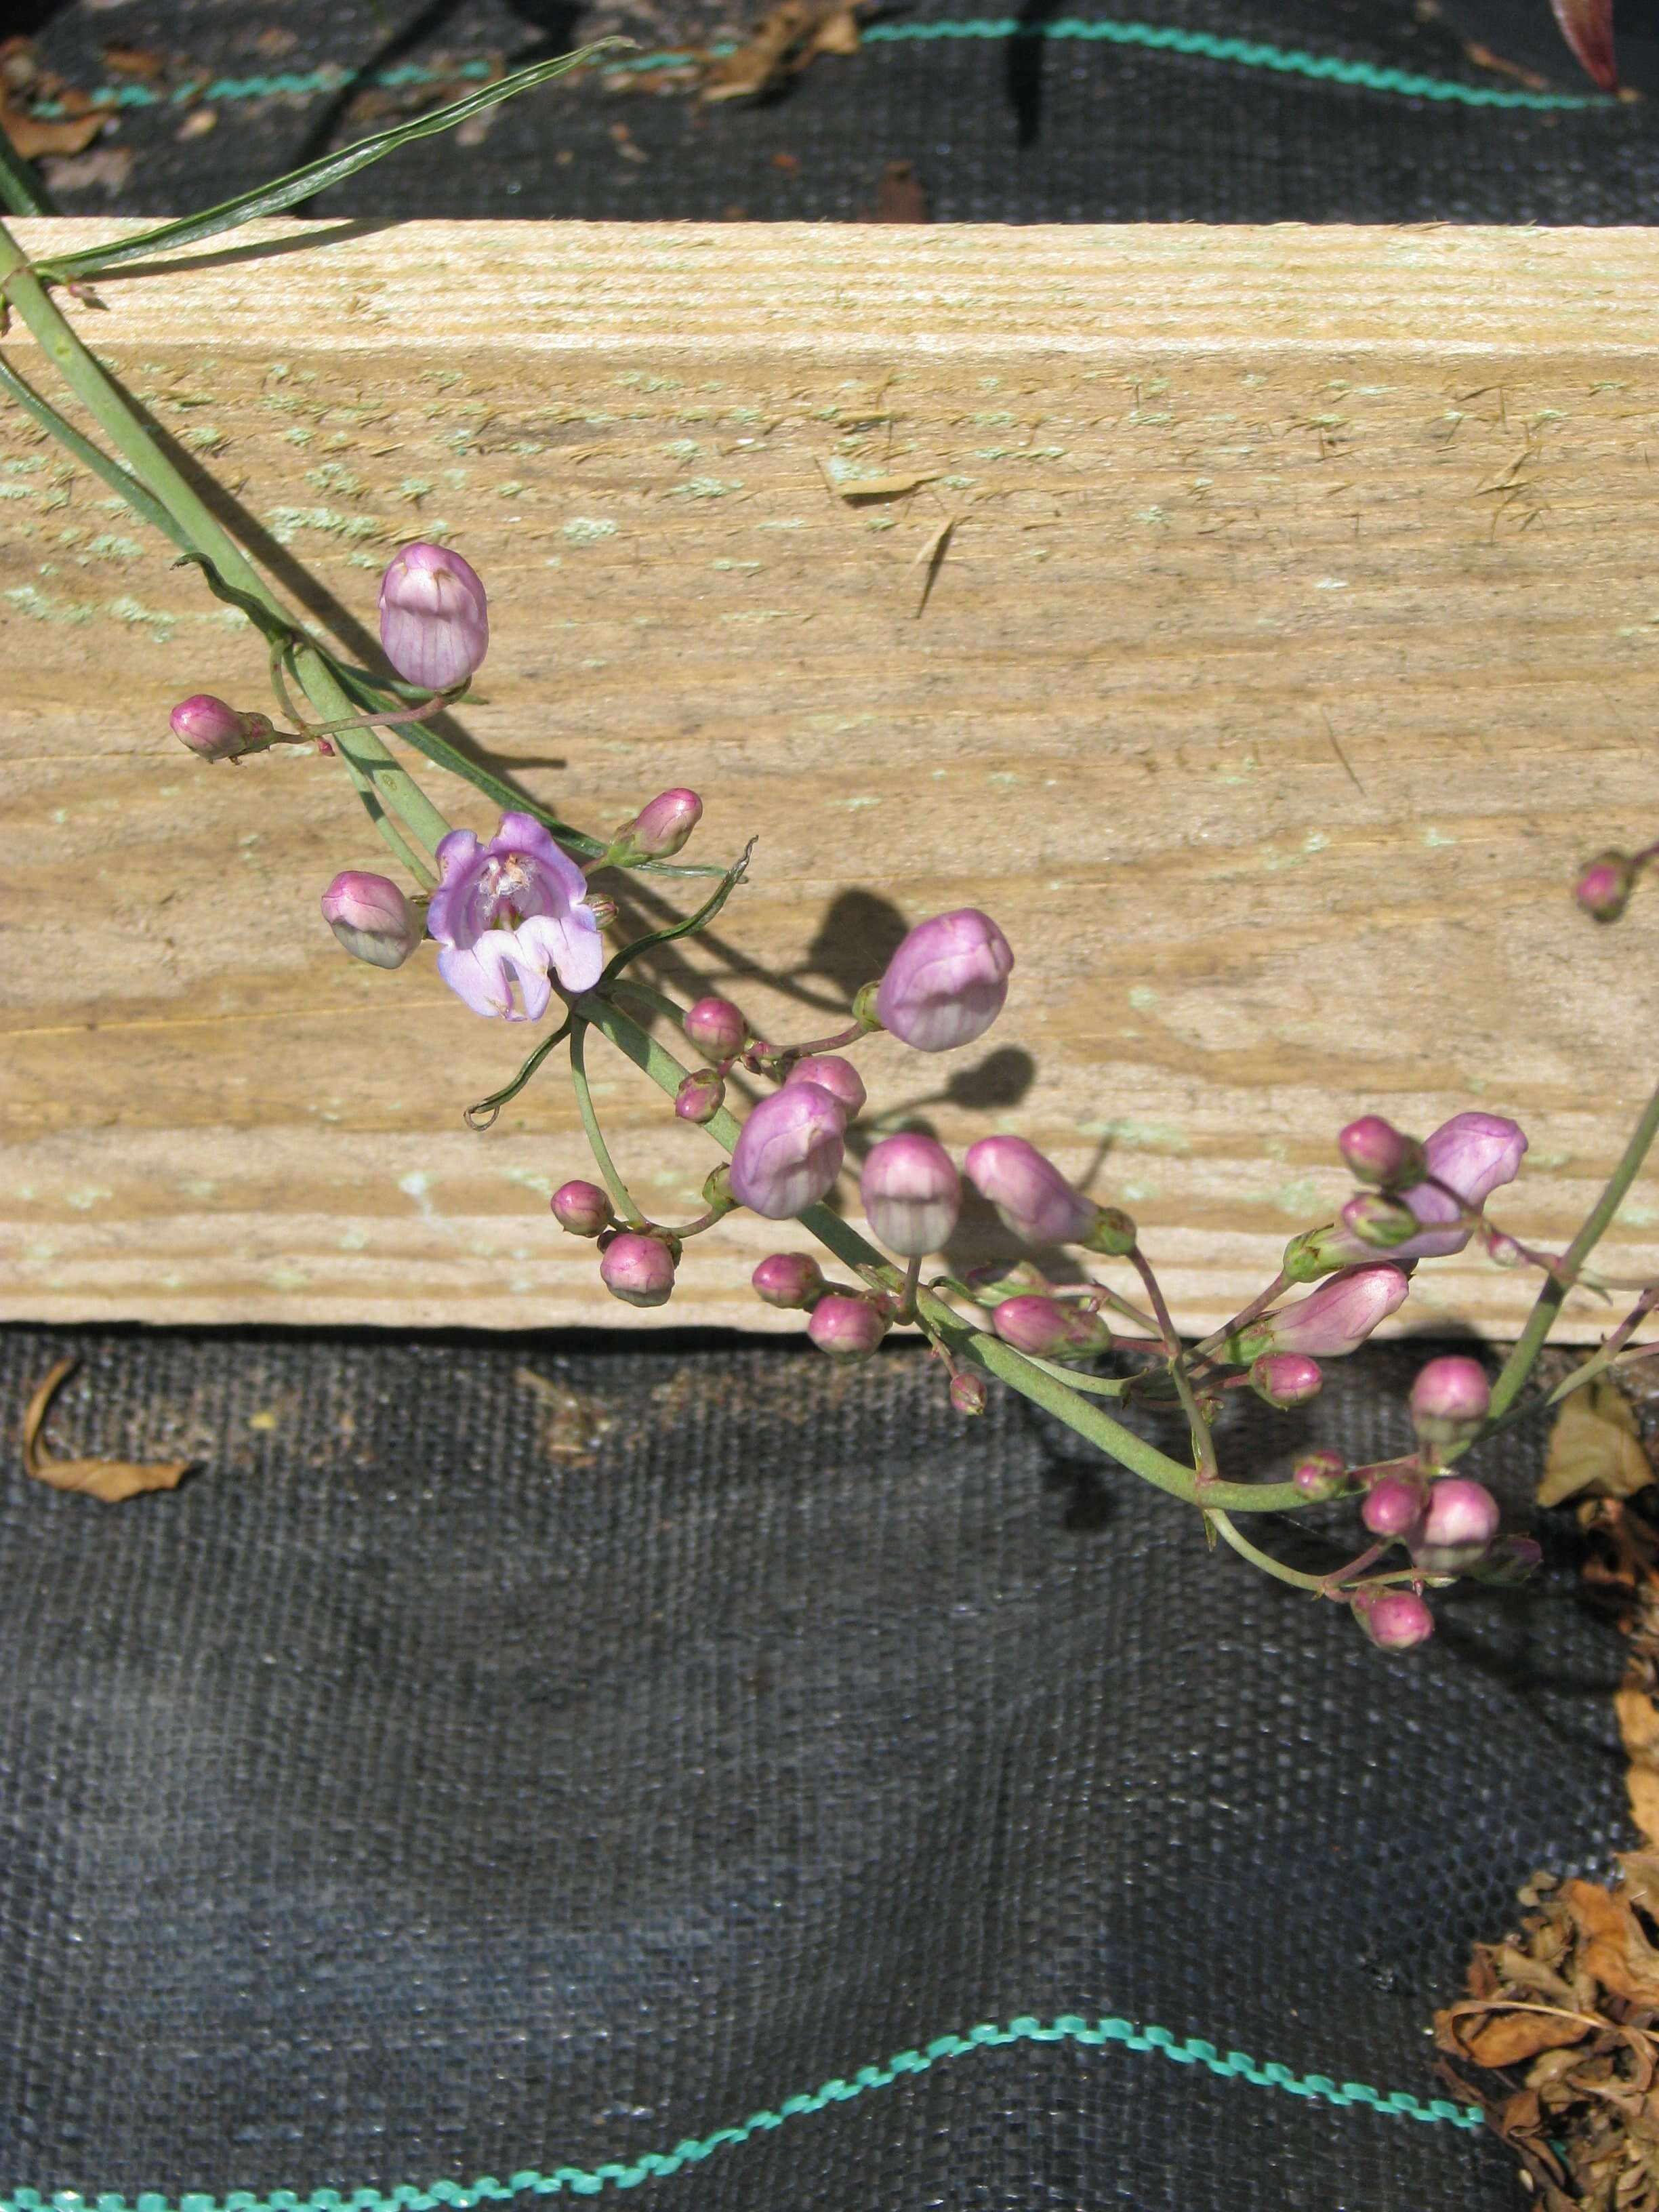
{"x": 1586, "y": 27}
{"x": 1495, "y": 2034}
{"x": 783, "y": 42}
{"x": 110, "y": 1479}
{"x": 1594, "y": 1450}
{"x": 33, "y": 134}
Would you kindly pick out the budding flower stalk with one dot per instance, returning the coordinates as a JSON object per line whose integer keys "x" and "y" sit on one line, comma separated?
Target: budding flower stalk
{"x": 1286, "y": 1378}
{"x": 789, "y": 1151}
{"x": 1378, "y": 1154}
{"x": 1331, "y": 1321}
{"x": 1394, "y": 1619}
{"x": 838, "y": 1076}
{"x": 1321, "y": 1475}
{"x": 372, "y": 918}
{"x": 790, "y": 1280}
{"x": 638, "y": 1270}
{"x": 911, "y": 1194}
{"x": 659, "y": 830}
{"x": 1030, "y": 1193}
{"x": 846, "y": 1327}
{"x": 1604, "y": 887}
{"x": 434, "y": 619}
{"x": 582, "y": 1208}
{"x": 1449, "y": 1400}
{"x": 1393, "y": 1503}
{"x": 1048, "y": 1330}
{"x": 716, "y": 1028}
{"x": 700, "y": 1096}
{"x": 215, "y": 731}
{"x": 1458, "y": 1522}
{"x": 947, "y": 982}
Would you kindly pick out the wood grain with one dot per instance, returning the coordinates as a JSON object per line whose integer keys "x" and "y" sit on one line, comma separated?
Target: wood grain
{"x": 1299, "y": 633}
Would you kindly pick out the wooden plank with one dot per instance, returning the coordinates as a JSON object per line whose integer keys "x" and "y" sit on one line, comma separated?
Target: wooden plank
{"x": 1296, "y": 636}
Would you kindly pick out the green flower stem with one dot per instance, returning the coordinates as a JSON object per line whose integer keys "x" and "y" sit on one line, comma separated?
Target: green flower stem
{"x": 387, "y": 789}
{"x": 945, "y": 1326}
{"x": 653, "y": 997}
{"x": 1203, "y": 1443}
{"x": 1521, "y": 1360}
{"x": 21, "y": 192}
{"x": 620, "y": 1197}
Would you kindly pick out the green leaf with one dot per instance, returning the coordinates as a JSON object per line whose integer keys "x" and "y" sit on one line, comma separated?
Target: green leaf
{"x": 284, "y": 192}
{"x": 141, "y": 500}
{"x": 482, "y": 1116}
{"x": 710, "y": 906}
{"x": 21, "y": 192}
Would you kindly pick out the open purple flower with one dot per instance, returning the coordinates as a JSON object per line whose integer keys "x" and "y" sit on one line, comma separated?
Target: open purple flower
{"x": 513, "y": 911}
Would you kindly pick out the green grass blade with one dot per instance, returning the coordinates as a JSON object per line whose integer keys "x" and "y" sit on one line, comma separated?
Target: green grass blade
{"x": 284, "y": 192}
{"x": 21, "y": 192}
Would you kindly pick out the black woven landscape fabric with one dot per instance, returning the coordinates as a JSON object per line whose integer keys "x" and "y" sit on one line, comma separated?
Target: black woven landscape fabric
{"x": 1039, "y": 128}
{"x": 507, "y": 1754}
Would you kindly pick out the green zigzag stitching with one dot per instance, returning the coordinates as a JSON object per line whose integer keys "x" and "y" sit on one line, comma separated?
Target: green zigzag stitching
{"x": 1070, "y": 2027}
{"x": 1244, "y": 54}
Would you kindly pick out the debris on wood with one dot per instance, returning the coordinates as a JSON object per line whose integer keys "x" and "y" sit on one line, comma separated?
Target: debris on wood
{"x": 789, "y": 36}
{"x": 110, "y": 1479}
{"x": 899, "y": 195}
{"x": 574, "y": 1426}
{"x": 854, "y": 490}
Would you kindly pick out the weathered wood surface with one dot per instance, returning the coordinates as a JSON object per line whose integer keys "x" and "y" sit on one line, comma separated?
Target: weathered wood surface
{"x": 1298, "y": 634}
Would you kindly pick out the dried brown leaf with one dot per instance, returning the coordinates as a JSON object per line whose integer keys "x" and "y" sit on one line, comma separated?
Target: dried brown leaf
{"x": 1586, "y": 27}
{"x": 786, "y": 38}
{"x": 110, "y": 1479}
{"x": 1617, "y": 1952}
{"x": 1595, "y": 1450}
{"x": 1495, "y": 2034}
{"x": 33, "y": 134}
{"x": 135, "y": 61}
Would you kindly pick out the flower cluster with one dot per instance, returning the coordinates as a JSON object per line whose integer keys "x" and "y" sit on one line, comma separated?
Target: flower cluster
{"x": 517, "y": 924}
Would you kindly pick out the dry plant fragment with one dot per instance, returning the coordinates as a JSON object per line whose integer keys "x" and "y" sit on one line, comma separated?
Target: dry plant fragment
{"x": 110, "y": 1479}
{"x": 1594, "y": 1450}
{"x": 786, "y": 38}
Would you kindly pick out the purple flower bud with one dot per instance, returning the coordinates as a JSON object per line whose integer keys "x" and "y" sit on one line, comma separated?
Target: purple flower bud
{"x": 1394, "y": 1619}
{"x": 700, "y": 1096}
{"x": 1604, "y": 887}
{"x": 638, "y": 1270}
{"x": 1320, "y": 1475}
{"x": 434, "y": 621}
{"x": 1331, "y": 1320}
{"x": 846, "y": 1327}
{"x": 838, "y": 1076}
{"x": 715, "y": 1027}
{"x": 1378, "y": 1154}
{"x": 1393, "y": 1503}
{"x": 1049, "y": 1330}
{"x": 1286, "y": 1378}
{"x": 663, "y": 827}
{"x": 372, "y": 918}
{"x": 1471, "y": 1156}
{"x": 968, "y": 1392}
{"x": 1031, "y": 1193}
{"x": 1379, "y": 1222}
{"x": 1449, "y": 1400}
{"x": 789, "y": 1151}
{"x": 581, "y": 1207}
{"x": 911, "y": 1194}
{"x": 947, "y": 982}
{"x": 1457, "y": 1524}
{"x": 1510, "y": 1560}
{"x": 787, "y": 1279}
{"x": 214, "y": 731}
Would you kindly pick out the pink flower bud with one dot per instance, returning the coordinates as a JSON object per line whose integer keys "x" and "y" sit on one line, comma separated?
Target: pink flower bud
{"x": 1379, "y": 1222}
{"x": 1331, "y": 1320}
{"x": 1470, "y": 1156}
{"x": 947, "y": 982}
{"x": 1394, "y": 1619}
{"x": 787, "y": 1279}
{"x": 1604, "y": 887}
{"x": 968, "y": 1392}
{"x": 372, "y": 918}
{"x": 1320, "y": 1475}
{"x": 434, "y": 621}
{"x": 789, "y": 1151}
{"x": 1378, "y": 1154}
{"x": 911, "y": 1194}
{"x": 715, "y": 1027}
{"x": 1449, "y": 1400}
{"x": 1458, "y": 1523}
{"x": 1049, "y": 1330}
{"x": 1286, "y": 1378}
{"x": 663, "y": 827}
{"x": 846, "y": 1327}
{"x": 1393, "y": 1503}
{"x": 700, "y": 1096}
{"x": 1503, "y": 1252}
{"x": 838, "y": 1076}
{"x": 638, "y": 1270}
{"x": 214, "y": 731}
{"x": 581, "y": 1207}
{"x": 1031, "y": 1193}
{"x": 1510, "y": 1560}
